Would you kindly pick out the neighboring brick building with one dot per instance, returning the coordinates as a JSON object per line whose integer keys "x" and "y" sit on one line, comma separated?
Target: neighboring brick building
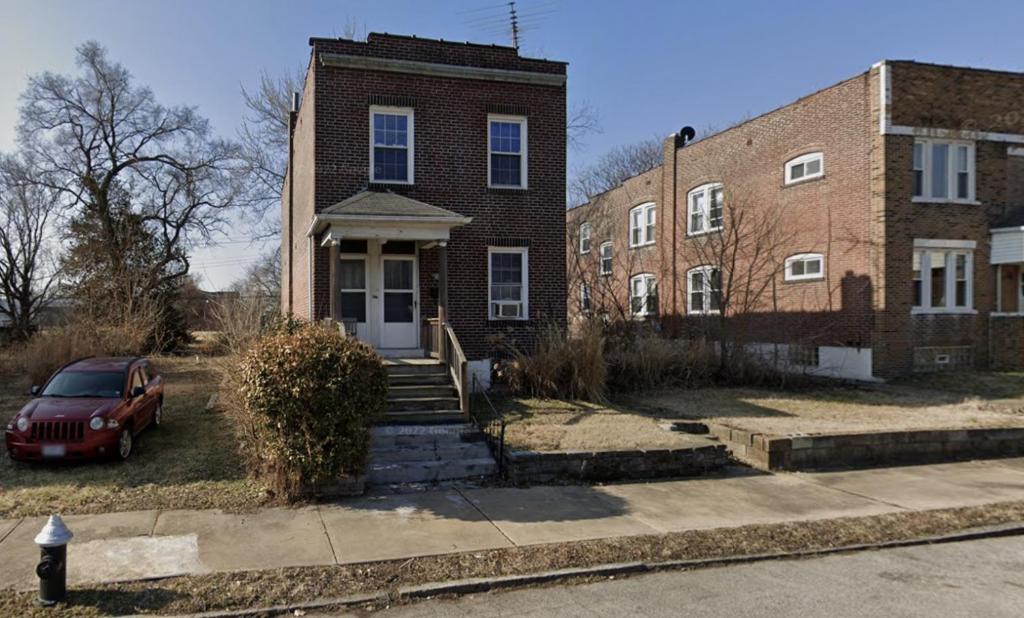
{"x": 886, "y": 208}
{"x": 411, "y": 153}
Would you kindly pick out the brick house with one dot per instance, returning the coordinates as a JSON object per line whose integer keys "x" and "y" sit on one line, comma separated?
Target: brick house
{"x": 895, "y": 205}
{"x": 426, "y": 188}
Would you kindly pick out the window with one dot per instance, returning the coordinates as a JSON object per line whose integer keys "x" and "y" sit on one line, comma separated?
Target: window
{"x": 805, "y": 266}
{"x": 353, "y": 288}
{"x": 585, "y": 297}
{"x": 507, "y": 280}
{"x": 805, "y": 167}
{"x": 585, "y": 238}
{"x": 705, "y": 208}
{"x": 704, "y": 290}
{"x": 643, "y": 295}
{"x": 606, "y": 258}
{"x": 506, "y": 144}
{"x": 391, "y": 145}
{"x": 943, "y": 171}
{"x": 804, "y": 355}
{"x": 942, "y": 279}
{"x": 642, "y": 221}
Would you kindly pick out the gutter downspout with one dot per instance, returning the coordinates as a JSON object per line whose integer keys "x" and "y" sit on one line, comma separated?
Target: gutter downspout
{"x": 679, "y": 140}
{"x": 293, "y": 118}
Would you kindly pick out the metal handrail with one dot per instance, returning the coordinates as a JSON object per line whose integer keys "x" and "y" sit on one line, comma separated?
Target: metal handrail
{"x": 493, "y": 428}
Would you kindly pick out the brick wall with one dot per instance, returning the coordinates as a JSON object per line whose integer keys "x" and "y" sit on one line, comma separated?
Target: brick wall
{"x": 942, "y": 97}
{"x": 450, "y": 171}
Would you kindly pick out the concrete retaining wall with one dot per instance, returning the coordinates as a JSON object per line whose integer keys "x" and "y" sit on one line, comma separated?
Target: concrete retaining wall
{"x": 771, "y": 452}
{"x": 541, "y": 467}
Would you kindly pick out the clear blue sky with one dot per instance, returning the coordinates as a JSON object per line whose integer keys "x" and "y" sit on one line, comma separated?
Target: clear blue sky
{"x": 648, "y": 67}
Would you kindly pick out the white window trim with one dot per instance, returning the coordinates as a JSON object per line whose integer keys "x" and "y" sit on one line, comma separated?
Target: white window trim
{"x": 706, "y": 271}
{"x": 585, "y": 226}
{"x": 802, "y": 257}
{"x": 646, "y": 278}
{"x": 409, "y": 113}
{"x": 953, "y": 247}
{"x": 525, "y": 251}
{"x": 951, "y": 173}
{"x": 804, "y": 159}
{"x": 523, "y": 149}
{"x": 585, "y": 299}
{"x": 706, "y": 189}
{"x": 643, "y": 209}
{"x": 600, "y": 261}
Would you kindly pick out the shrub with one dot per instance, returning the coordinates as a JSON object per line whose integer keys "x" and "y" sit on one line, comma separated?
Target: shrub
{"x": 241, "y": 320}
{"x": 309, "y": 396}
{"x": 52, "y": 348}
{"x": 560, "y": 366}
{"x": 638, "y": 361}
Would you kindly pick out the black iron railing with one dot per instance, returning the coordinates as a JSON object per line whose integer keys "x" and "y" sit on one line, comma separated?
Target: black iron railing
{"x": 490, "y": 423}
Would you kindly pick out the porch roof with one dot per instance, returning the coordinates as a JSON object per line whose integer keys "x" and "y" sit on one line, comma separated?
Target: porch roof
{"x": 384, "y": 214}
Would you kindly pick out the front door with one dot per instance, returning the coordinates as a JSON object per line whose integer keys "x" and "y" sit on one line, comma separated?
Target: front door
{"x": 400, "y": 303}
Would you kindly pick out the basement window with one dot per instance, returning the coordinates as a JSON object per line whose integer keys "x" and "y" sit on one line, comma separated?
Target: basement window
{"x": 805, "y": 266}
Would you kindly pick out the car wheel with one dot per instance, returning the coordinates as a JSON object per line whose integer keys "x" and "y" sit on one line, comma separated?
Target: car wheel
{"x": 158, "y": 414}
{"x": 125, "y": 443}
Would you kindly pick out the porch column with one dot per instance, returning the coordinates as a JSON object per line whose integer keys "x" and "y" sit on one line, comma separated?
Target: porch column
{"x": 335, "y": 288}
{"x": 442, "y": 298}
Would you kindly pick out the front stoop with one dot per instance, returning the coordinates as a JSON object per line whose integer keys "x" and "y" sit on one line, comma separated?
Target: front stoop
{"x": 418, "y": 454}
{"x": 424, "y": 437}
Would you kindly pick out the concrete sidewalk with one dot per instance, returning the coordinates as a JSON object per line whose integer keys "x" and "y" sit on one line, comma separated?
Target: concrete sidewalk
{"x": 146, "y": 544}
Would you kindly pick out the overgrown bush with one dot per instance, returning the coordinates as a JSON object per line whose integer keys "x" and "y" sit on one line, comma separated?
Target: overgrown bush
{"x": 559, "y": 366}
{"x": 241, "y": 320}
{"x": 308, "y": 398}
{"x": 51, "y": 348}
{"x": 594, "y": 362}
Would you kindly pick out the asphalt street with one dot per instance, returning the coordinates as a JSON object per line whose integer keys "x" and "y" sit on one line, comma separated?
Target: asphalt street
{"x": 972, "y": 578}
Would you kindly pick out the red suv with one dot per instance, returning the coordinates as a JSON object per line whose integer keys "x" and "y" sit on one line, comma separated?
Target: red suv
{"x": 89, "y": 408}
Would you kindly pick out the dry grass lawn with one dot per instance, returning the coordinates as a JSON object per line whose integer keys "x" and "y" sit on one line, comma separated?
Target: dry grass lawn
{"x": 949, "y": 401}
{"x": 554, "y": 425}
{"x": 190, "y": 461}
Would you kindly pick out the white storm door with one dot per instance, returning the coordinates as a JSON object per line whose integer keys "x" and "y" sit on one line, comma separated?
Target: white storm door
{"x": 400, "y": 303}
{"x": 354, "y": 294}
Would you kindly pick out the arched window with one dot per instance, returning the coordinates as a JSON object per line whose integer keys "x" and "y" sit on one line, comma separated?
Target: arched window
{"x": 704, "y": 206}
{"x": 585, "y": 237}
{"x": 805, "y": 167}
{"x": 805, "y": 266}
{"x": 703, "y": 290}
{"x": 643, "y": 295}
{"x": 642, "y": 224}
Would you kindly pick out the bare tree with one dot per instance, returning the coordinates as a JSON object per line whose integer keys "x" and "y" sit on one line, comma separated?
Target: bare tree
{"x": 615, "y": 166}
{"x": 27, "y": 280}
{"x": 263, "y": 278}
{"x": 737, "y": 265}
{"x": 581, "y": 122}
{"x": 108, "y": 149}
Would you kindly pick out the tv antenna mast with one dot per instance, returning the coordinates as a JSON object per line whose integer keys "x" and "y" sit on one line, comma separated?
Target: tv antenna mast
{"x": 512, "y": 19}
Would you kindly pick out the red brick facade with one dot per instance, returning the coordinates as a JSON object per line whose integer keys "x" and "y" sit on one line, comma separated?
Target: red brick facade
{"x": 331, "y": 163}
{"x": 858, "y": 214}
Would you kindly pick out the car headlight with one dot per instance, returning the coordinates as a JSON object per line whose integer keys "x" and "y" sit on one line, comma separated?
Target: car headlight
{"x": 22, "y": 423}
{"x": 96, "y": 423}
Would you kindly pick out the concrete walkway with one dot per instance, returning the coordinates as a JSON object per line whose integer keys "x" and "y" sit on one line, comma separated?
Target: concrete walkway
{"x": 145, "y": 544}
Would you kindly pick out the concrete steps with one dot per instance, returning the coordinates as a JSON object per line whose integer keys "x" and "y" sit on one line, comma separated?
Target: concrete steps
{"x": 410, "y": 455}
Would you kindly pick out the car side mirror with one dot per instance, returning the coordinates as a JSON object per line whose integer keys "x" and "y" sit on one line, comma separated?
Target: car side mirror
{"x": 138, "y": 391}
{"x": 34, "y": 391}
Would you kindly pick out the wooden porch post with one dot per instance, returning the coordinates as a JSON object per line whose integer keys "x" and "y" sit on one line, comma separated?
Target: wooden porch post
{"x": 442, "y": 299}
{"x": 335, "y": 283}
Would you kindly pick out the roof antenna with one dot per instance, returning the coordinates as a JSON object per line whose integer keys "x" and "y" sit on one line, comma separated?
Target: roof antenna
{"x": 514, "y": 19}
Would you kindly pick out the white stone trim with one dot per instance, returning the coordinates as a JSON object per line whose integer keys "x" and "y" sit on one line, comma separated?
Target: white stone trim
{"x": 933, "y": 243}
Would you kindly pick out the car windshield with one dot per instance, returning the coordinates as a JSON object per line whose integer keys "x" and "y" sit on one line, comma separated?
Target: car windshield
{"x": 85, "y": 384}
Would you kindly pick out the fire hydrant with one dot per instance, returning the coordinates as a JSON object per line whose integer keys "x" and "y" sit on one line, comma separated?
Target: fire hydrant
{"x": 52, "y": 568}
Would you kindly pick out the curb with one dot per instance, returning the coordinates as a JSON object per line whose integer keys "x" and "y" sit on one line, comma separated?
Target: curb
{"x": 488, "y": 584}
